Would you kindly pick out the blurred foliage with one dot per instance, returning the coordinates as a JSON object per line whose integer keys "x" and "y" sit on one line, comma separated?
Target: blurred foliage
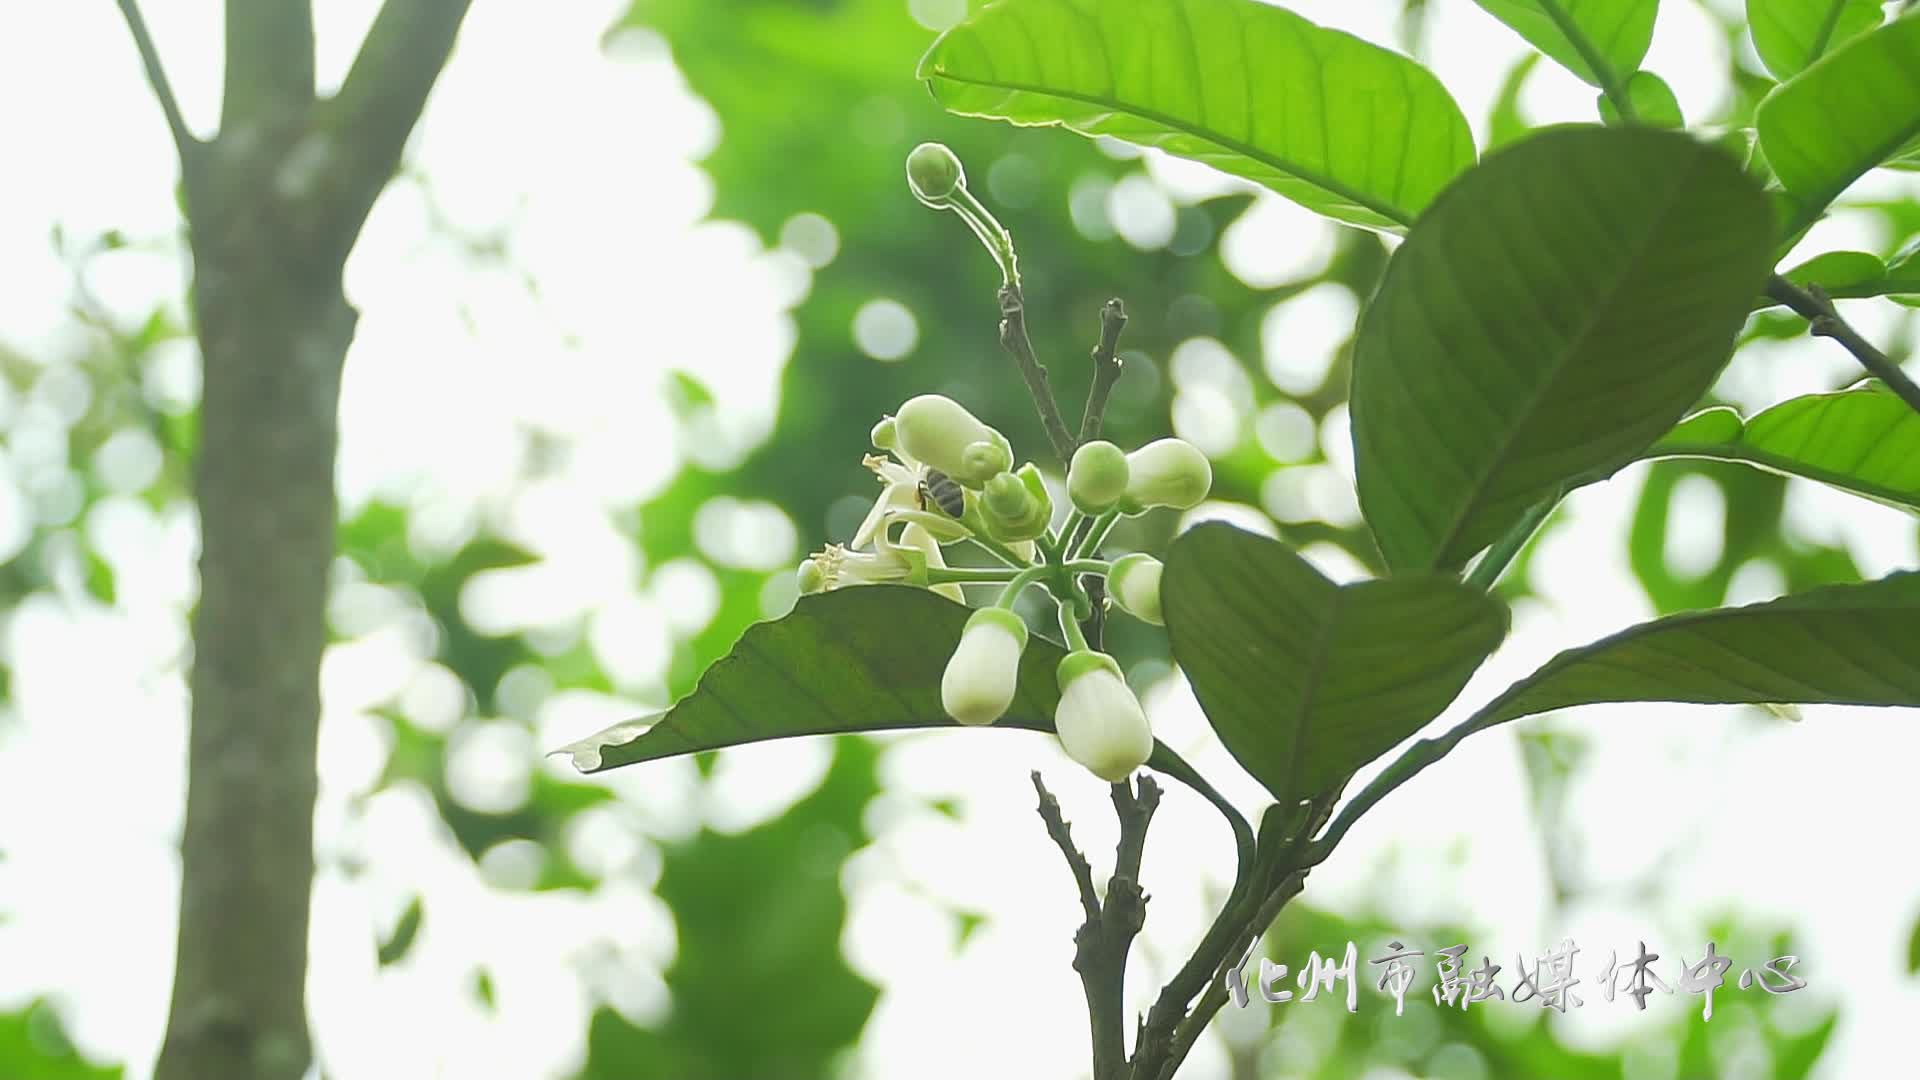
{"x": 34, "y": 1046}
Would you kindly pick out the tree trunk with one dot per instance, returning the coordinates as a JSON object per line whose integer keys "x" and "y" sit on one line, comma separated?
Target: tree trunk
{"x": 273, "y": 336}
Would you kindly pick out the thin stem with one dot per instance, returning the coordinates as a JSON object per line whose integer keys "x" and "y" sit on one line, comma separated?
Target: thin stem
{"x": 183, "y": 139}
{"x": 1013, "y": 338}
{"x": 968, "y": 575}
{"x": 1020, "y": 581}
{"x": 1000, "y": 551}
{"x": 1487, "y": 571}
{"x": 1088, "y": 566}
{"x": 1070, "y": 626}
{"x": 1097, "y": 535}
{"x": 1106, "y": 368}
{"x": 1823, "y": 320}
{"x": 1609, "y": 79}
{"x": 1210, "y": 1002}
{"x": 998, "y": 240}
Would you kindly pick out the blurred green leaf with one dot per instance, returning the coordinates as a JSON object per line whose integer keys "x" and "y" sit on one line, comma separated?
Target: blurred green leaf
{"x": 34, "y": 1046}
{"x": 1653, "y": 103}
{"x": 1343, "y": 127}
{"x": 858, "y": 659}
{"x": 1790, "y": 34}
{"x": 1532, "y": 332}
{"x": 1838, "y": 645}
{"x": 1852, "y": 110}
{"x": 1913, "y": 949}
{"x": 1838, "y": 269}
{"x": 395, "y": 947}
{"x": 1304, "y": 680}
{"x": 1506, "y": 123}
{"x": 1617, "y": 32}
{"x": 1863, "y": 440}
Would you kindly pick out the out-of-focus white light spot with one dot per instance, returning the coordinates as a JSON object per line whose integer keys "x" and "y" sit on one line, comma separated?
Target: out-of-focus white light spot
{"x": 435, "y": 699}
{"x": 489, "y": 766}
{"x": 1276, "y": 241}
{"x": 1087, "y": 205}
{"x": 812, "y": 237}
{"x": 16, "y": 523}
{"x": 778, "y": 595}
{"x": 1140, "y": 212}
{"x": 1334, "y": 561}
{"x": 67, "y": 390}
{"x": 1240, "y": 514}
{"x": 758, "y": 782}
{"x": 937, "y": 15}
{"x": 1755, "y": 581}
{"x": 885, "y": 330}
{"x": 1336, "y": 440}
{"x": 605, "y": 841}
{"x": 1205, "y": 417}
{"x": 1285, "y": 431}
{"x": 514, "y": 864}
{"x": 686, "y": 594}
{"x": 746, "y": 534}
{"x": 630, "y": 638}
{"x": 522, "y": 690}
{"x": 1310, "y": 493}
{"x": 128, "y": 461}
{"x": 1014, "y": 180}
{"x": 1117, "y": 149}
{"x": 1696, "y": 527}
{"x": 353, "y": 752}
{"x": 1298, "y": 337}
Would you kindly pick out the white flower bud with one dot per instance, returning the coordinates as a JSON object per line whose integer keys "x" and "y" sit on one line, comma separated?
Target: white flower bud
{"x": 1134, "y": 584}
{"x": 1097, "y": 476}
{"x": 980, "y": 678}
{"x": 1100, "y": 722}
{"x": 934, "y": 174}
{"x": 1166, "y": 472}
{"x": 883, "y": 435}
{"x": 939, "y": 432}
{"x": 811, "y": 576}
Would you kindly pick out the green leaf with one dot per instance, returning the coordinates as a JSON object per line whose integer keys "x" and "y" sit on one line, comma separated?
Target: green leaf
{"x": 397, "y": 945}
{"x": 1790, "y": 34}
{"x": 1341, "y": 126}
{"x": 1838, "y": 269}
{"x": 1837, "y": 645}
{"x": 1554, "y": 313}
{"x": 1304, "y": 680}
{"x": 1864, "y": 440}
{"x": 1614, "y": 32}
{"x": 1913, "y": 949}
{"x": 857, "y": 659}
{"x": 1506, "y": 123}
{"x": 1852, "y": 110}
{"x": 1653, "y": 103}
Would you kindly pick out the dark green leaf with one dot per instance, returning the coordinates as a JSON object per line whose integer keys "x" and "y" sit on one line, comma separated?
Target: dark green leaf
{"x": 1653, "y": 103}
{"x": 1304, "y": 680}
{"x": 396, "y": 946}
{"x": 1852, "y": 110}
{"x": 858, "y": 659}
{"x": 1790, "y": 34}
{"x": 1864, "y": 440}
{"x": 1343, "y": 127}
{"x": 1838, "y": 645}
{"x": 1838, "y": 269}
{"x": 1553, "y": 314}
{"x": 1616, "y": 32}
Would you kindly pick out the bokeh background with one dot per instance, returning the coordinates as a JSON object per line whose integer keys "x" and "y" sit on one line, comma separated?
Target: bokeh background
{"x": 649, "y": 275}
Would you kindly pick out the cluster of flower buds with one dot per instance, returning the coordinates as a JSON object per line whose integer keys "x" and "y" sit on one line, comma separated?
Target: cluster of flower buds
{"x": 947, "y": 478}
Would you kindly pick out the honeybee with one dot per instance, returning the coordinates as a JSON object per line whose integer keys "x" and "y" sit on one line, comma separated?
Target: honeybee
{"x": 943, "y": 492}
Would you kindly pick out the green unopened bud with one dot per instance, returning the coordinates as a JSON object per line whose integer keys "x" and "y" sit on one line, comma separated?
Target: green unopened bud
{"x": 939, "y": 432}
{"x": 934, "y": 174}
{"x": 1015, "y": 506}
{"x": 1134, "y": 584}
{"x": 1097, "y": 477}
{"x": 884, "y": 435}
{"x": 1166, "y": 472}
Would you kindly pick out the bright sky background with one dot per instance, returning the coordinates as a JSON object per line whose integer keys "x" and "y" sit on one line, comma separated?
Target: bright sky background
{"x": 605, "y": 212}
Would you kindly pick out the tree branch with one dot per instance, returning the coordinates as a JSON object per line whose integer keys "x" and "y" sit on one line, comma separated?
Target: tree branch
{"x": 364, "y": 128}
{"x": 1823, "y": 320}
{"x": 1062, "y": 835}
{"x": 184, "y": 142}
{"x": 1106, "y": 368}
{"x": 1190, "y": 1028}
{"x": 269, "y": 61}
{"x": 1013, "y": 338}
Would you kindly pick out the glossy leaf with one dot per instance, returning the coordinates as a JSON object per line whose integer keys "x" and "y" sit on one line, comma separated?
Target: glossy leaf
{"x": 1852, "y": 110}
{"x": 1837, "y": 645}
{"x": 1554, "y": 313}
{"x": 1304, "y": 680}
{"x": 1653, "y": 103}
{"x": 1865, "y": 440}
{"x": 1342, "y": 126}
{"x": 1790, "y": 34}
{"x": 1616, "y": 32}
{"x": 859, "y": 659}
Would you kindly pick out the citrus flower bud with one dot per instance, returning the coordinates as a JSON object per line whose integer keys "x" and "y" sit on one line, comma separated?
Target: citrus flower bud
{"x": 1134, "y": 583}
{"x": 939, "y": 432}
{"x": 1099, "y": 720}
{"x": 979, "y": 681}
{"x": 1166, "y": 472}
{"x": 934, "y": 174}
{"x": 1016, "y": 506}
{"x": 1097, "y": 476}
{"x": 884, "y": 436}
{"x": 812, "y": 577}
